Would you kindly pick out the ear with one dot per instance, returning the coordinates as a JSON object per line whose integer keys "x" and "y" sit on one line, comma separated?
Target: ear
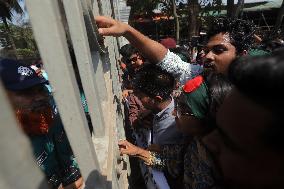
{"x": 158, "y": 98}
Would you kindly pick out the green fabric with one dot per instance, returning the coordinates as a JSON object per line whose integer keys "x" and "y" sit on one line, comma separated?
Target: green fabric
{"x": 257, "y": 52}
{"x": 182, "y": 57}
{"x": 84, "y": 102}
{"x": 198, "y": 101}
{"x": 54, "y": 155}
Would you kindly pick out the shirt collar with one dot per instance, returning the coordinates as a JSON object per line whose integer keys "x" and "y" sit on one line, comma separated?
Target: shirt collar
{"x": 167, "y": 110}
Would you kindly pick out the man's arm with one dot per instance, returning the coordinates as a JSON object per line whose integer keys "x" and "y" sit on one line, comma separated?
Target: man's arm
{"x": 150, "y": 49}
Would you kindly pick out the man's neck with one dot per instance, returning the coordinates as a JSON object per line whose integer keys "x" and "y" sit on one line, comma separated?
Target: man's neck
{"x": 161, "y": 106}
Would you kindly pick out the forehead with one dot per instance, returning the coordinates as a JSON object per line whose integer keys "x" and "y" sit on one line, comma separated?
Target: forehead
{"x": 29, "y": 94}
{"x": 219, "y": 39}
{"x": 243, "y": 121}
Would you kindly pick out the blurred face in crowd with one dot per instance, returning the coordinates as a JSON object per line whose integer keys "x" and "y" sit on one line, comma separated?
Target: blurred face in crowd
{"x": 185, "y": 120}
{"x": 148, "y": 102}
{"x": 136, "y": 61}
{"x": 238, "y": 147}
{"x": 219, "y": 53}
{"x": 32, "y": 107}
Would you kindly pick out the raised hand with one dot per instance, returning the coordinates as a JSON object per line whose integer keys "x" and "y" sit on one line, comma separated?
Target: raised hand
{"x": 110, "y": 27}
{"x": 152, "y": 50}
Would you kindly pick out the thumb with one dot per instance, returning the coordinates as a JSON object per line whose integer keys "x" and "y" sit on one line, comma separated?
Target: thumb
{"x": 106, "y": 31}
{"x": 123, "y": 151}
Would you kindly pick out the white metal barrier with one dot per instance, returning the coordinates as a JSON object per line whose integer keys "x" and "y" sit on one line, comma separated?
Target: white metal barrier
{"x": 17, "y": 168}
{"x": 97, "y": 156}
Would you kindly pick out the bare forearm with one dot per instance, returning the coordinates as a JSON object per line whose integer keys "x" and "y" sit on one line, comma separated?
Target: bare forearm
{"x": 150, "y": 49}
{"x": 153, "y": 51}
{"x": 143, "y": 154}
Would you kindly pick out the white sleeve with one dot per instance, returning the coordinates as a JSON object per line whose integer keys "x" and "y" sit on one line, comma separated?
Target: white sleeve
{"x": 181, "y": 70}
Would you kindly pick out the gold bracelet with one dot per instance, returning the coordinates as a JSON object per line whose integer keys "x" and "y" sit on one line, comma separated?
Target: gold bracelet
{"x": 150, "y": 160}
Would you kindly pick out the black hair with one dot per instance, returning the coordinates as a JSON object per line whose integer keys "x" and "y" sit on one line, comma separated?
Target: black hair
{"x": 241, "y": 32}
{"x": 261, "y": 79}
{"x": 127, "y": 50}
{"x": 153, "y": 81}
{"x": 218, "y": 88}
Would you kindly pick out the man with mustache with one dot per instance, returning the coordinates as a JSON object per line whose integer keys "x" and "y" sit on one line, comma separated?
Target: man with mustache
{"x": 36, "y": 115}
{"x": 248, "y": 142}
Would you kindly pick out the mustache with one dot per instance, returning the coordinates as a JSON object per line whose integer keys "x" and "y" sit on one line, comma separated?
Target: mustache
{"x": 209, "y": 64}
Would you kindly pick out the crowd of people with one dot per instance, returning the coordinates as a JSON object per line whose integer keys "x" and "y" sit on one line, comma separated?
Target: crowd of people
{"x": 223, "y": 127}
{"x": 214, "y": 122}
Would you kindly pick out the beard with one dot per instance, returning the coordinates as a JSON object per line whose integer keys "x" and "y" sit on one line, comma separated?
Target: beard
{"x": 35, "y": 122}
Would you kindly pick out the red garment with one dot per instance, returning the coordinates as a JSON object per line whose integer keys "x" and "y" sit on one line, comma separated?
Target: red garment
{"x": 193, "y": 84}
{"x": 35, "y": 123}
{"x": 169, "y": 43}
{"x": 135, "y": 106}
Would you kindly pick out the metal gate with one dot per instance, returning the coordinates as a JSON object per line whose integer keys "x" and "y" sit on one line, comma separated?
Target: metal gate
{"x": 54, "y": 23}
